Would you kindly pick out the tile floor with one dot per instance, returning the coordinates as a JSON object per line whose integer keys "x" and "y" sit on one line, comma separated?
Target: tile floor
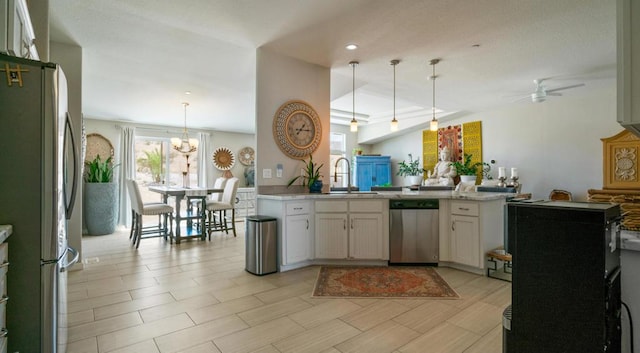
{"x": 197, "y": 298}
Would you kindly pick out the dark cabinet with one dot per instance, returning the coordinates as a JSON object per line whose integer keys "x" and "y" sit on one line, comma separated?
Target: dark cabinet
{"x": 371, "y": 171}
{"x": 566, "y": 283}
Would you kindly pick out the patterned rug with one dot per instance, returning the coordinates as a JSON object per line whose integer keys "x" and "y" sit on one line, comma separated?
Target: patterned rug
{"x": 381, "y": 282}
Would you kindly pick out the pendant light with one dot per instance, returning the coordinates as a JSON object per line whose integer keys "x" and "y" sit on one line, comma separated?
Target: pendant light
{"x": 394, "y": 122}
{"x": 354, "y": 122}
{"x": 434, "y": 123}
{"x": 184, "y": 144}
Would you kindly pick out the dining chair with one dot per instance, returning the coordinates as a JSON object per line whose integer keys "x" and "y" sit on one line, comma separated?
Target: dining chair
{"x": 140, "y": 209}
{"x": 217, "y": 210}
{"x": 199, "y": 213}
{"x": 214, "y": 196}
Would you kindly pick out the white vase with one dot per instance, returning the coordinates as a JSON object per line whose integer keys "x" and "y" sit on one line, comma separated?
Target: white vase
{"x": 413, "y": 180}
{"x": 468, "y": 179}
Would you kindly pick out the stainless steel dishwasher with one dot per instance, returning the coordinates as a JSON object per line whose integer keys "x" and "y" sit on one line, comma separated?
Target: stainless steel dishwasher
{"x": 413, "y": 231}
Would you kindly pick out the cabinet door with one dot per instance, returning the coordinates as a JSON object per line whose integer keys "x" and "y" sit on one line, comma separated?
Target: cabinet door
{"x": 382, "y": 174}
{"x": 331, "y": 236}
{"x": 20, "y": 35}
{"x": 465, "y": 240}
{"x": 297, "y": 239}
{"x": 365, "y": 236}
{"x": 364, "y": 175}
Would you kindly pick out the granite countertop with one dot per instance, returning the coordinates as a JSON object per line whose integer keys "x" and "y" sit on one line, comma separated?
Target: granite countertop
{"x": 453, "y": 195}
{"x": 5, "y": 232}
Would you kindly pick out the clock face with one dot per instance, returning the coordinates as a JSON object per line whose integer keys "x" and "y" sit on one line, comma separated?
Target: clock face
{"x": 297, "y": 129}
{"x": 300, "y": 129}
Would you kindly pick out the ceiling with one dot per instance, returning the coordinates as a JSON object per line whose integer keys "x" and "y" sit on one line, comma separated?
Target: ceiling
{"x": 140, "y": 56}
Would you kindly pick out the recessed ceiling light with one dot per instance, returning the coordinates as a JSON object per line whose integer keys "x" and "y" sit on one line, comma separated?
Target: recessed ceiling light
{"x": 352, "y": 46}
{"x": 187, "y": 92}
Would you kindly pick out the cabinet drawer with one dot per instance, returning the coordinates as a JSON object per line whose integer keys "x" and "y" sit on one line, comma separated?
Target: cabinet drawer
{"x": 3, "y": 281}
{"x": 3, "y": 312}
{"x": 366, "y": 206}
{"x": 3, "y": 340}
{"x": 294, "y": 208}
{"x": 4, "y": 253}
{"x": 331, "y": 206}
{"x": 465, "y": 208}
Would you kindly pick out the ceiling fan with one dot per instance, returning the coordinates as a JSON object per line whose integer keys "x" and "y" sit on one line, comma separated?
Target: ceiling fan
{"x": 542, "y": 92}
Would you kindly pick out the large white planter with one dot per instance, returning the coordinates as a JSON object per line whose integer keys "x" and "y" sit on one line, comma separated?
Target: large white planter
{"x": 468, "y": 179}
{"x": 100, "y": 207}
{"x": 413, "y": 180}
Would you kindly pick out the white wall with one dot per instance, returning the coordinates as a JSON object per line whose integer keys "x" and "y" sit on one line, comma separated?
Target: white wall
{"x": 280, "y": 79}
{"x": 555, "y": 144}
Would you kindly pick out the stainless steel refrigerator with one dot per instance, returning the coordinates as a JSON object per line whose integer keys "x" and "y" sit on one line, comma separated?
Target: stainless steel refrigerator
{"x": 38, "y": 164}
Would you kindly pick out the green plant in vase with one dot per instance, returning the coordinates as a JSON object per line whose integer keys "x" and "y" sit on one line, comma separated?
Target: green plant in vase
{"x": 100, "y": 197}
{"x": 469, "y": 168}
{"x": 310, "y": 177}
{"x": 99, "y": 171}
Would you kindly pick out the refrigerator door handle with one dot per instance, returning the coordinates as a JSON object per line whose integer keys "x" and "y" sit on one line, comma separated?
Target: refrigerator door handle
{"x": 74, "y": 187}
{"x": 65, "y": 266}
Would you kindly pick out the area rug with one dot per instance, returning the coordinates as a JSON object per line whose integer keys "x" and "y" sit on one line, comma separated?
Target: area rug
{"x": 382, "y": 282}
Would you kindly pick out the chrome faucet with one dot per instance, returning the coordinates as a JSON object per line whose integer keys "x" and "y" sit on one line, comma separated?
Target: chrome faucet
{"x": 335, "y": 174}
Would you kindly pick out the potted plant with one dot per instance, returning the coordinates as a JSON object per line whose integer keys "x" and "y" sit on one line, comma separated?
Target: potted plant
{"x": 311, "y": 176}
{"x": 100, "y": 197}
{"x": 411, "y": 171}
{"x": 468, "y": 171}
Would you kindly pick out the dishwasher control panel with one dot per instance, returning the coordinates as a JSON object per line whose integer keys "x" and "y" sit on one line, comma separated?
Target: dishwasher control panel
{"x": 414, "y": 204}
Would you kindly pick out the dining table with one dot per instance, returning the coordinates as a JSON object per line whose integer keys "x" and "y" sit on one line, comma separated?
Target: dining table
{"x": 179, "y": 192}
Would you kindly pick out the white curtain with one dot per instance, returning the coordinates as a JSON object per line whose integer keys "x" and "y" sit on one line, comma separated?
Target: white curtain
{"x": 203, "y": 158}
{"x": 127, "y": 171}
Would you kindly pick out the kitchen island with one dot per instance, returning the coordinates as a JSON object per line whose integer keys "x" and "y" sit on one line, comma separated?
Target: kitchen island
{"x": 341, "y": 228}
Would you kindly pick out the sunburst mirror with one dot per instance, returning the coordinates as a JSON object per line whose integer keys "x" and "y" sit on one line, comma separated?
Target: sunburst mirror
{"x": 223, "y": 158}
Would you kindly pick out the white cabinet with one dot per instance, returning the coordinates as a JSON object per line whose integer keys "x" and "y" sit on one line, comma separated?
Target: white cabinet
{"x": 465, "y": 240}
{"x": 16, "y": 32}
{"x": 298, "y": 232}
{"x": 332, "y": 237}
{"x": 297, "y": 238}
{"x": 354, "y": 229}
{"x": 476, "y": 227}
{"x": 295, "y": 230}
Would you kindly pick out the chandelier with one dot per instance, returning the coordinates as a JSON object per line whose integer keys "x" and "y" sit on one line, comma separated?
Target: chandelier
{"x": 434, "y": 123}
{"x": 184, "y": 144}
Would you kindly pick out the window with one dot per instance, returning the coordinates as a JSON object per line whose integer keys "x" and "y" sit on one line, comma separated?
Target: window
{"x": 158, "y": 163}
{"x": 337, "y": 145}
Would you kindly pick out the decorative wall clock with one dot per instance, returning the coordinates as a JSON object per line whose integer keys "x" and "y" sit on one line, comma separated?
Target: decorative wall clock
{"x": 223, "y": 158}
{"x": 246, "y": 155}
{"x": 297, "y": 129}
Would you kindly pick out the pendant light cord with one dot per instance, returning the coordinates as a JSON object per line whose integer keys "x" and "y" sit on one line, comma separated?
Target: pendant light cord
{"x": 353, "y": 65}
{"x": 394, "y": 90}
{"x": 433, "y": 77}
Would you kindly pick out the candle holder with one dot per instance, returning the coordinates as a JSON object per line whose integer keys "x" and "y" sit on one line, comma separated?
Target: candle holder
{"x": 501, "y": 183}
{"x": 514, "y": 181}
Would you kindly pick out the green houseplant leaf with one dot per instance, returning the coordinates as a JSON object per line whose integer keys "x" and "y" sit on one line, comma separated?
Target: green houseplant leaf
{"x": 99, "y": 171}
{"x": 311, "y": 173}
{"x": 411, "y": 168}
{"x": 469, "y": 168}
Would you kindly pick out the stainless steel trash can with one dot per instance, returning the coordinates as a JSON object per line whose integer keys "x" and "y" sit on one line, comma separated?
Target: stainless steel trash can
{"x": 261, "y": 245}
{"x": 506, "y": 330}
